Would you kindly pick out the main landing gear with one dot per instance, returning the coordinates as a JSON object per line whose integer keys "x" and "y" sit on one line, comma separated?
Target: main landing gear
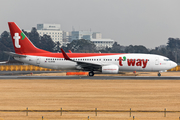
{"x": 91, "y": 73}
{"x": 159, "y": 74}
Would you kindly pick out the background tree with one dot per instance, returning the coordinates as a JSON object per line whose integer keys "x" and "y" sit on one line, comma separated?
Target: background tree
{"x": 116, "y": 48}
{"x": 81, "y": 46}
{"x": 46, "y": 43}
{"x": 173, "y": 43}
{"x": 155, "y": 51}
{"x": 174, "y": 48}
{"x": 6, "y": 41}
{"x": 136, "y": 49}
{"x": 43, "y": 42}
{"x": 57, "y": 47}
{"x": 5, "y": 45}
{"x": 34, "y": 37}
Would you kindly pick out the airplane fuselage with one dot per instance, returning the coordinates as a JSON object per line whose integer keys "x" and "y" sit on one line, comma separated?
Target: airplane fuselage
{"x": 26, "y": 52}
{"x": 125, "y": 62}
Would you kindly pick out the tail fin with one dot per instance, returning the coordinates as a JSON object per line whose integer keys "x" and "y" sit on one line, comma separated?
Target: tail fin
{"x": 22, "y": 45}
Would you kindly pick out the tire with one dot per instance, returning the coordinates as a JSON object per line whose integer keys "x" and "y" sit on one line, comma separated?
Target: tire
{"x": 91, "y": 73}
{"x": 159, "y": 74}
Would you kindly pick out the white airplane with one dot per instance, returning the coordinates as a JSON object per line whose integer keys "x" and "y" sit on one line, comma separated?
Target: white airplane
{"x": 26, "y": 52}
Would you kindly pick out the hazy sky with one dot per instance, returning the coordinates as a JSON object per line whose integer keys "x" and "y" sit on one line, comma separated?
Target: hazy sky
{"x": 137, "y": 22}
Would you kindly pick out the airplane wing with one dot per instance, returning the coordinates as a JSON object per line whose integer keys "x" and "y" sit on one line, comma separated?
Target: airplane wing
{"x": 4, "y": 62}
{"x": 14, "y": 54}
{"x": 84, "y": 65}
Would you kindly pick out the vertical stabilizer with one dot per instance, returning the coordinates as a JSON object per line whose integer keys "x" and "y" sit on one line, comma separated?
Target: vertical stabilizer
{"x": 22, "y": 45}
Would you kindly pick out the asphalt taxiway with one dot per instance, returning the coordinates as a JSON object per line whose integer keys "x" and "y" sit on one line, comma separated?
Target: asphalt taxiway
{"x": 21, "y": 75}
{"x": 26, "y": 72}
{"x": 95, "y": 77}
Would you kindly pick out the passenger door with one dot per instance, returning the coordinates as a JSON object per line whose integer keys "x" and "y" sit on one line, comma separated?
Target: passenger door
{"x": 38, "y": 61}
{"x": 157, "y": 61}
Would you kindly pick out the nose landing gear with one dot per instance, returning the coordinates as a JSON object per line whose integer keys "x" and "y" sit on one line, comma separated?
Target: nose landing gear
{"x": 159, "y": 74}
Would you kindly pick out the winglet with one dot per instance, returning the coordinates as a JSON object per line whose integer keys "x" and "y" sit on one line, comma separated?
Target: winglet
{"x": 65, "y": 55}
{"x": 70, "y": 51}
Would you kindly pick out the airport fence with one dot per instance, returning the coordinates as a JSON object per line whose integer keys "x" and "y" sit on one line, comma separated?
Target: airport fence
{"x": 37, "y": 68}
{"x": 23, "y": 68}
{"x": 61, "y": 111}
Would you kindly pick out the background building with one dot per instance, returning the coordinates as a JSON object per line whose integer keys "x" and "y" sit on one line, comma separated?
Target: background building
{"x": 66, "y": 36}
{"x": 56, "y": 34}
{"x": 103, "y": 43}
{"x": 48, "y": 27}
{"x": 97, "y": 35}
{"x": 53, "y": 30}
{"x": 76, "y": 35}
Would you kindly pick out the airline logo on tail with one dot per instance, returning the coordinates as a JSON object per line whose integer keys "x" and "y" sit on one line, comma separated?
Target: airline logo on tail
{"x": 17, "y": 37}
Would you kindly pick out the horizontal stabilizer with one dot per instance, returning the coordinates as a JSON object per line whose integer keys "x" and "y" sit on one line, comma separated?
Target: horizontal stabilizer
{"x": 3, "y": 62}
{"x": 14, "y": 54}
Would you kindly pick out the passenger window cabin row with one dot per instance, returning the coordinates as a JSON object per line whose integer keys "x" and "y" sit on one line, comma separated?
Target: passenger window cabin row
{"x": 75, "y": 59}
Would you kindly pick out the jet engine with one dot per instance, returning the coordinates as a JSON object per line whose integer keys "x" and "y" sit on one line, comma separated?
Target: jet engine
{"x": 110, "y": 69}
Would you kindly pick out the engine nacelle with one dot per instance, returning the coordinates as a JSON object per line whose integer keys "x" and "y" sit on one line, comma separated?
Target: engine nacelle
{"x": 111, "y": 69}
{"x": 78, "y": 67}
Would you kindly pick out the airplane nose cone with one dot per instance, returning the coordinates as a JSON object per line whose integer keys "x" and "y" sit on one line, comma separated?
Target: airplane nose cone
{"x": 173, "y": 64}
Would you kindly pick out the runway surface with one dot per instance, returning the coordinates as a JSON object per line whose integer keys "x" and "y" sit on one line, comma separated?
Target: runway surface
{"x": 18, "y": 75}
{"x": 25, "y": 72}
{"x": 95, "y": 77}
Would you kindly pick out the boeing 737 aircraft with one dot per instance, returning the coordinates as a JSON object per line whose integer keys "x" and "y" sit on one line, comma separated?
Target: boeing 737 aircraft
{"x": 26, "y": 52}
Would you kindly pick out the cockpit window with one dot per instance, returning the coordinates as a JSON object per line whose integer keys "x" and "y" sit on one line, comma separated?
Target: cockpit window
{"x": 166, "y": 60}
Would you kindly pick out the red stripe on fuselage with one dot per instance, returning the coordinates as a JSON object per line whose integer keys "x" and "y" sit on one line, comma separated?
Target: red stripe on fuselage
{"x": 72, "y": 55}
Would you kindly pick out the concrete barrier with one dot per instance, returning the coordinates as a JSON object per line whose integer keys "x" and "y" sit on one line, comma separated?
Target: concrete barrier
{"x": 36, "y": 68}
{"x": 23, "y": 68}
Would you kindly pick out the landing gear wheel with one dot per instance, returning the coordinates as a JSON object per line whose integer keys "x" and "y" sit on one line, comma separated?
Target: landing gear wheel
{"x": 91, "y": 73}
{"x": 159, "y": 74}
